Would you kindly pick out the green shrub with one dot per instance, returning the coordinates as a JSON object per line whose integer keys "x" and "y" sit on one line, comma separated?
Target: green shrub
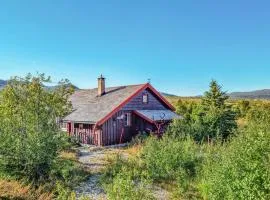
{"x": 125, "y": 186}
{"x": 211, "y": 119}
{"x": 167, "y": 157}
{"x": 240, "y": 169}
{"x": 30, "y": 138}
{"x": 140, "y": 138}
{"x": 63, "y": 193}
{"x": 125, "y": 179}
{"x": 68, "y": 172}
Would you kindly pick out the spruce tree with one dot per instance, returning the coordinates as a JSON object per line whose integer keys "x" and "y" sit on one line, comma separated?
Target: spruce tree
{"x": 217, "y": 116}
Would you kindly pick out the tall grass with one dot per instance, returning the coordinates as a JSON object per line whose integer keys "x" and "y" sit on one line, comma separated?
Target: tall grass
{"x": 235, "y": 169}
{"x": 125, "y": 179}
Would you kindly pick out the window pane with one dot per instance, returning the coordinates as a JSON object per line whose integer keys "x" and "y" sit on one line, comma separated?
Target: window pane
{"x": 128, "y": 119}
{"x": 145, "y": 98}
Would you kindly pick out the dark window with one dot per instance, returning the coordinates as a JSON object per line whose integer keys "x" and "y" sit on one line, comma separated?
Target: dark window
{"x": 86, "y": 126}
{"x": 80, "y": 126}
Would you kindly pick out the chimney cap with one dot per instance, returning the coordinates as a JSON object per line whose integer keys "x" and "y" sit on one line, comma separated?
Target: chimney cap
{"x": 101, "y": 77}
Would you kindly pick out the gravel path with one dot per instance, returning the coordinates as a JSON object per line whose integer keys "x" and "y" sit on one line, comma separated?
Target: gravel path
{"x": 94, "y": 158}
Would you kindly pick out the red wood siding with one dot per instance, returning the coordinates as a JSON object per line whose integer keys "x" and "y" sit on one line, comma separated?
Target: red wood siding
{"x": 112, "y": 128}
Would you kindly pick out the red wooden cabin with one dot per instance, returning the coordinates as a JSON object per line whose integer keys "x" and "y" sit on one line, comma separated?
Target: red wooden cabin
{"x": 106, "y": 116}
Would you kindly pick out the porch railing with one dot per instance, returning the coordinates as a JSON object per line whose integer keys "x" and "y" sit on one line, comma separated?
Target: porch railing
{"x": 85, "y": 136}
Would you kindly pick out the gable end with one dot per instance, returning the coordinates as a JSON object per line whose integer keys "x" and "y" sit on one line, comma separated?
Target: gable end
{"x": 146, "y": 87}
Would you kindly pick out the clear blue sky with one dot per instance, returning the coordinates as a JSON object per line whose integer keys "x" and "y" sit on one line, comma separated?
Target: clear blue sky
{"x": 180, "y": 45}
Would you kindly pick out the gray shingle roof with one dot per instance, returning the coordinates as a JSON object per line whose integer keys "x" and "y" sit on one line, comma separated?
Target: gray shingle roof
{"x": 90, "y": 108}
{"x": 158, "y": 115}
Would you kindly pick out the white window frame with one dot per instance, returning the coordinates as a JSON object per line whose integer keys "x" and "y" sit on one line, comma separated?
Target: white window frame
{"x": 128, "y": 119}
{"x": 145, "y": 98}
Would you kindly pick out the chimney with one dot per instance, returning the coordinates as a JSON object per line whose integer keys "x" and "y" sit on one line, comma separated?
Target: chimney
{"x": 101, "y": 85}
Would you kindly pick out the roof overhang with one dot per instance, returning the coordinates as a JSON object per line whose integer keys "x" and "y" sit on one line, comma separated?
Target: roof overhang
{"x": 79, "y": 122}
{"x": 153, "y": 116}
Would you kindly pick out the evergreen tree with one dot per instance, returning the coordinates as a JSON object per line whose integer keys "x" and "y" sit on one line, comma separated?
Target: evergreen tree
{"x": 217, "y": 116}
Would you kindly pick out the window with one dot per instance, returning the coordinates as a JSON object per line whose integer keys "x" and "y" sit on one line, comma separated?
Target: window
{"x": 80, "y": 126}
{"x": 128, "y": 119}
{"x": 145, "y": 98}
{"x": 64, "y": 126}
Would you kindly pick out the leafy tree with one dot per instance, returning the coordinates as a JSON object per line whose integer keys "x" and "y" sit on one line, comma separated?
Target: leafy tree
{"x": 187, "y": 109}
{"x": 29, "y": 134}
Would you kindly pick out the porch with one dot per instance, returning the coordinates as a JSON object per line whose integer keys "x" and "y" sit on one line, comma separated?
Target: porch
{"x": 82, "y": 132}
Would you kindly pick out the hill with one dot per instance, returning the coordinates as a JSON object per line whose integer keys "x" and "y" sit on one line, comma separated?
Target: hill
{"x": 168, "y": 95}
{"x": 257, "y": 94}
{"x": 3, "y": 83}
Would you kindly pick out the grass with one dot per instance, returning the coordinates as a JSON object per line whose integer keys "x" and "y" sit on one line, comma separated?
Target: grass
{"x": 69, "y": 155}
{"x": 11, "y": 189}
{"x": 154, "y": 167}
{"x": 67, "y": 173}
{"x": 134, "y": 150}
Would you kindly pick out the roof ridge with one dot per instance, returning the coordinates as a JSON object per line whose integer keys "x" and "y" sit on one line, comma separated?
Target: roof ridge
{"x": 115, "y": 86}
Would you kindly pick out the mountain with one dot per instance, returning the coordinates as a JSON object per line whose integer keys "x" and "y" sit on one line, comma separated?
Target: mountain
{"x": 168, "y": 95}
{"x": 257, "y": 94}
{"x": 51, "y": 88}
{"x": 3, "y": 83}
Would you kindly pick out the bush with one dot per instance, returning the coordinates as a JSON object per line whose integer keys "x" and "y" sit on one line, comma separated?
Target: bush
{"x": 240, "y": 169}
{"x": 166, "y": 157}
{"x": 125, "y": 186}
{"x": 124, "y": 179}
{"x": 211, "y": 119}
{"x": 68, "y": 172}
{"x": 175, "y": 162}
{"x": 30, "y": 138}
{"x": 259, "y": 116}
{"x": 140, "y": 138}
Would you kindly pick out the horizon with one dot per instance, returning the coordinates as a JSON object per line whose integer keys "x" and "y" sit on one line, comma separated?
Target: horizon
{"x": 163, "y": 92}
{"x": 181, "y": 47}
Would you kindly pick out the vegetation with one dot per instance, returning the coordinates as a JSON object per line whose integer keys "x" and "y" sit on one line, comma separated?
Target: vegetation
{"x": 30, "y": 138}
{"x": 219, "y": 150}
{"x": 209, "y": 119}
{"x": 240, "y": 169}
{"x": 207, "y": 155}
